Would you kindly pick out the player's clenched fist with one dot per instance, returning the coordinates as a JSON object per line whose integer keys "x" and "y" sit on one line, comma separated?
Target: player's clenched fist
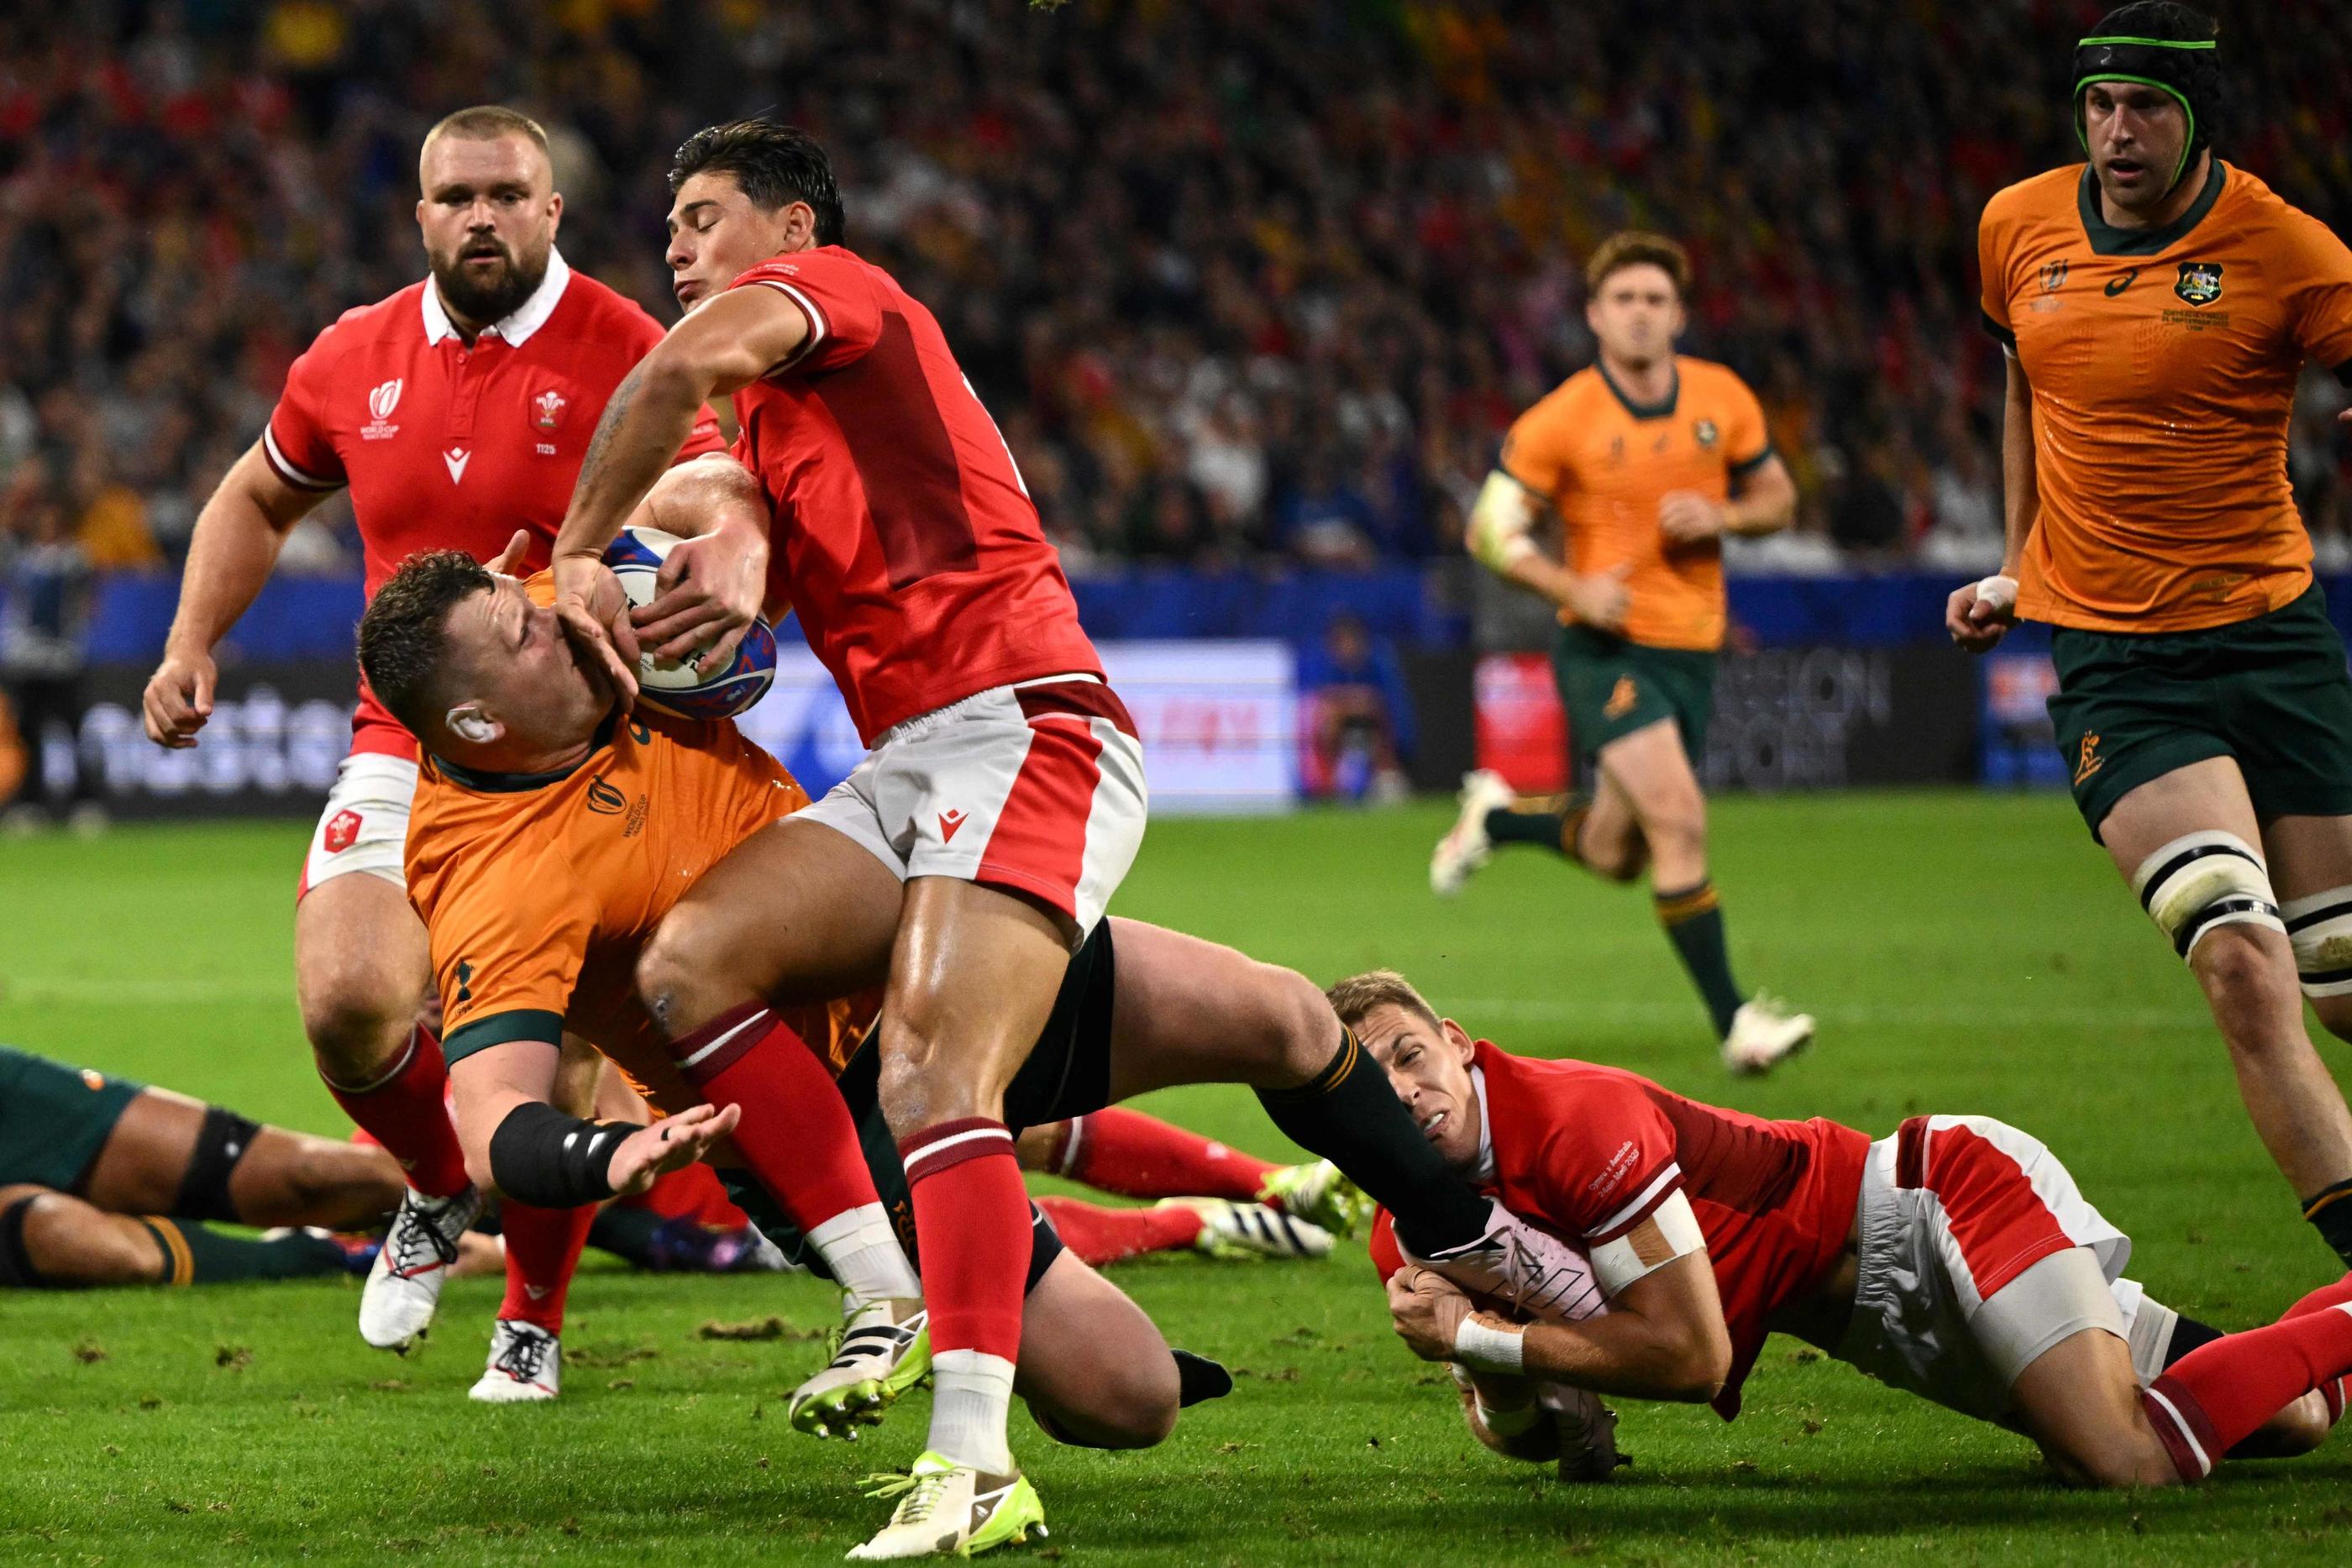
{"x": 1978, "y": 614}
{"x": 1427, "y": 1309}
{"x": 671, "y": 1144}
{"x": 179, "y": 698}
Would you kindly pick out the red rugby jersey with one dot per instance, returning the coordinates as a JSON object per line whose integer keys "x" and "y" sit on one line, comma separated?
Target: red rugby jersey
{"x": 446, "y": 446}
{"x": 904, "y": 536}
{"x": 1589, "y": 1152}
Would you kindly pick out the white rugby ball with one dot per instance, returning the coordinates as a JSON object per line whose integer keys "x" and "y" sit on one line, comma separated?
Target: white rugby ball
{"x": 668, "y": 685}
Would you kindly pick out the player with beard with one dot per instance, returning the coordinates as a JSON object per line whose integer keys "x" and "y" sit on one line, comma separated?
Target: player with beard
{"x": 2156, "y": 304}
{"x": 455, "y": 411}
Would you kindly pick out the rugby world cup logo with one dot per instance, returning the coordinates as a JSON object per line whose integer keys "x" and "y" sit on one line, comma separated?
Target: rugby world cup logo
{"x": 381, "y": 400}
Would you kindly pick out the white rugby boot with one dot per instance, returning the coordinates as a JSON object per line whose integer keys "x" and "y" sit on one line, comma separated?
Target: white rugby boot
{"x": 1232, "y": 1230}
{"x": 1465, "y": 846}
{"x": 526, "y": 1365}
{"x": 881, "y": 1350}
{"x": 947, "y": 1509}
{"x": 403, "y": 1285}
{"x": 1763, "y": 1032}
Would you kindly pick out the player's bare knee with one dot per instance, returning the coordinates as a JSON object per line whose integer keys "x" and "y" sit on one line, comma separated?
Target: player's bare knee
{"x": 2297, "y": 1429}
{"x": 357, "y": 1024}
{"x": 70, "y": 1243}
{"x": 677, "y": 981}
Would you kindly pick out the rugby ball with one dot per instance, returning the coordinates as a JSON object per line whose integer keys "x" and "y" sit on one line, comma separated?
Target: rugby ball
{"x": 680, "y": 690}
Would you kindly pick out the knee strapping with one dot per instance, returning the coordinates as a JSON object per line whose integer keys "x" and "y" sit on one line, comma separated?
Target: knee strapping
{"x": 220, "y": 1144}
{"x": 2320, "y": 926}
{"x": 2201, "y": 881}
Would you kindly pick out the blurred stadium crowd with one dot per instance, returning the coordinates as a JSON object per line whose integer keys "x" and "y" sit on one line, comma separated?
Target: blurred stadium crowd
{"x": 1252, "y": 279}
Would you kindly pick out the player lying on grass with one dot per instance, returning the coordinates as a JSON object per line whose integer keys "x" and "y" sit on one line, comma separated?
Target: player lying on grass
{"x": 1955, "y": 1260}
{"x": 553, "y": 846}
{"x": 102, "y": 1181}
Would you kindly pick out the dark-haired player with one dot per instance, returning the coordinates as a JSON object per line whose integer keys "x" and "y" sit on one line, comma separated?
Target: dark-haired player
{"x": 104, "y": 1182}
{"x": 455, "y": 412}
{"x": 1955, "y": 1260}
{"x": 2156, "y": 304}
{"x": 973, "y": 851}
{"x": 1648, "y": 458}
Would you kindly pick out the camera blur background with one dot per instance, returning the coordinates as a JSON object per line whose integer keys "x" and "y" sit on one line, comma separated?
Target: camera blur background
{"x": 1252, "y": 287}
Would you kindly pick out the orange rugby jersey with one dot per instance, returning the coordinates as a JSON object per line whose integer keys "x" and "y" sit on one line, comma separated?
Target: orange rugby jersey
{"x": 2163, "y": 365}
{"x": 1606, "y": 462}
{"x": 539, "y": 892}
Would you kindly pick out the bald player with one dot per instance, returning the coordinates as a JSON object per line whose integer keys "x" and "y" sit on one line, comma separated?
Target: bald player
{"x": 1648, "y": 458}
{"x": 2156, "y": 304}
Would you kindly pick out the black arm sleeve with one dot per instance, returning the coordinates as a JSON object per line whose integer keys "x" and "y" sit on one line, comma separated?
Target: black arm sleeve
{"x": 540, "y": 1155}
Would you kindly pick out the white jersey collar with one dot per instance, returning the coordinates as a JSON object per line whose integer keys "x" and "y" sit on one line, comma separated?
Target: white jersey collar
{"x": 1486, "y": 1171}
{"x": 516, "y": 329}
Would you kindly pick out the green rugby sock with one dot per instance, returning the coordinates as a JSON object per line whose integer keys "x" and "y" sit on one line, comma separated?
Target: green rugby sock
{"x": 194, "y": 1255}
{"x": 1693, "y": 922}
{"x": 2330, "y": 1213}
{"x": 1555, "y": 831}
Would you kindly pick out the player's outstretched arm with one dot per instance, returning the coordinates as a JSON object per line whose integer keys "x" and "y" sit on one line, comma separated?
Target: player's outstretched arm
{"x": 1978, "y": 614}
{"x": 235, "y": 543}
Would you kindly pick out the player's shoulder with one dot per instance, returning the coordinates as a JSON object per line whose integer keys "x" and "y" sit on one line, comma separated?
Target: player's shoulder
{"x": 1568, "y": 403}
{"x": 1710, "y": 377}
{"x": 2042, "y": 198}
{"x": 818, "y": 266}
{"x": 366, "y": 327}
{"x": 479, "y": 850}
{"x": 1564, "y": 1092}
{"x": 598, "y": 307}
{"x": 2249, "y": 206}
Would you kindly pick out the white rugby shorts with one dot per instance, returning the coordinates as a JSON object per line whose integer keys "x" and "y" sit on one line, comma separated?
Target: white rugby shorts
{"x": 1036, "y": 788}
{"x": 1977, "y": 1253}
{"x": 365, "y": 826}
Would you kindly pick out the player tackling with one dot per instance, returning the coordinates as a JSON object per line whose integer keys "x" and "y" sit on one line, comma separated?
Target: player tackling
{"x": 1955, "y": 1260}
{"x": 2156, "y": 304}
{"x": 1649, "y": 458}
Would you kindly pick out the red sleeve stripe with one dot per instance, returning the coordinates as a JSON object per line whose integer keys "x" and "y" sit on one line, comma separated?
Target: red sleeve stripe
{"x": 1659, "y": 1187}
{"x": 301, "y": 479}
{"x": 816, "y": 320}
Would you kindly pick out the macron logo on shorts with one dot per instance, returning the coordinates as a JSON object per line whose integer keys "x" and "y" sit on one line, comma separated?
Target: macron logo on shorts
{"x": 949, "y": 823}
{"x": 342, "y": 828}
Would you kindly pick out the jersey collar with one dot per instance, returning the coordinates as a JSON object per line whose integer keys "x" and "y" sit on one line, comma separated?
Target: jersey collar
{"x": 1644, "y": 410}
{"x": 2108, "y": 240}
{"x": 486, "y": 783}
{"x": 516, "y": 329}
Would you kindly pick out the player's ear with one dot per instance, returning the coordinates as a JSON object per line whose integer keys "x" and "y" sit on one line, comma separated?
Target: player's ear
{"x": 474, "y": 725}
{"x": 1459, "y": 1039}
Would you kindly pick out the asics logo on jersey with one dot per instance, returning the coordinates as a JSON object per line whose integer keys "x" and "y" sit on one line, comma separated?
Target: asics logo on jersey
{"x": 2118, "y": 285}
{"x": 949, "y": 823}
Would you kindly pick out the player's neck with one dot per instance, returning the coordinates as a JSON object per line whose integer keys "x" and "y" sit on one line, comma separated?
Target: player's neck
{"x": 467, "y": 327}
{"x": 1648, "y": 383}
{"x": 2177, "y": 201}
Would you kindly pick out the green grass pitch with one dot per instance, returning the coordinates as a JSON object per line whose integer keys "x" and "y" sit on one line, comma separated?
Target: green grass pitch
{"x": 1964, "y": 953}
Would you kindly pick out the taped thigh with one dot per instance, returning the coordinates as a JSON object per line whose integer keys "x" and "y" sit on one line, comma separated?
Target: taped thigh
{"x": 2202, "y": 881}
{"x": 2320, "y": 926}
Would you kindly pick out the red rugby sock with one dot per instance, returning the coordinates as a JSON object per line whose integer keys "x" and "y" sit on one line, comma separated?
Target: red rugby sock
{"x": 796, "y": 1133}
{"x": 1098, "y": 1236}
{"x": 543, "y": 1252}
{"x": 2336, "y": 1294}
{"x": 2217, "y": 1395}
{"x": 971, "y": 1225}
{"x": 404, "y": 1110}
{"x": 1136, "y": 1155}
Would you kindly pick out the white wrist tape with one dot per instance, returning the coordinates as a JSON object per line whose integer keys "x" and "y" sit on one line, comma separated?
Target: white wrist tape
{"x": 1997, "y": 591}
{"x": 1484, "y": 1349}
